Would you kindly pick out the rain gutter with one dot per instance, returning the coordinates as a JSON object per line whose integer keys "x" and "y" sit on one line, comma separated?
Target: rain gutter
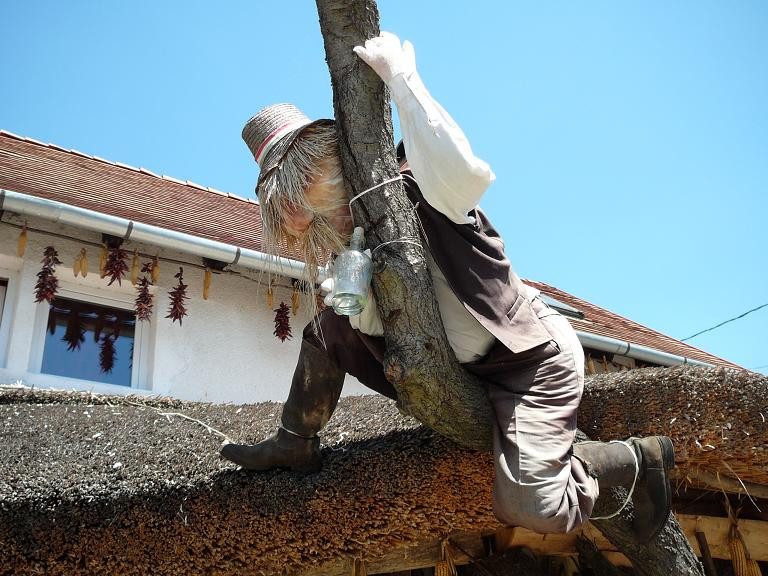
{"x": 59, "y": 212}
{"x": 67, "y": 214}
{"x": 636, "y": 351}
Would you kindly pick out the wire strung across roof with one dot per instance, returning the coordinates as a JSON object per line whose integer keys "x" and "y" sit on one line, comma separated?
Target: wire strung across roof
{"x": 726, "y": 322}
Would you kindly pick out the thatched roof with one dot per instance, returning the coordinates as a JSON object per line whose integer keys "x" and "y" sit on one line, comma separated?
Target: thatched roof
{"x": 111, "y": 485}
{"x": 98, "y": 484}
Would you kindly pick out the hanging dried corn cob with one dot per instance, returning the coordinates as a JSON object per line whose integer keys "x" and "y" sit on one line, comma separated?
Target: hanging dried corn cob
{"x": 295, "y": 300}
{"x": 135, "y": 268}
{"x": 22, "y": 244}
{"x": 358, "y": 567}
{"x": 207, "y": 283}
{"x": 103, "y": 261}
{"x": 743, "y": 565}
{"x": 76, "y": 265}
{"x": 270, "y": 297}
{"x": 155, "y": 274}
{"x": 83, "y": 262}
{"x": 446, "y": 566}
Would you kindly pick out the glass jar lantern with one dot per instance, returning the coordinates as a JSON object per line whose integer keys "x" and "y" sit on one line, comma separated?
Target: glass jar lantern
{"x": 352, "y": 272}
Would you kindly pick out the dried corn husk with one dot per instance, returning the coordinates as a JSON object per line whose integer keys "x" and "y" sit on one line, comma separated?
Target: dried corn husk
{"x": 446, "y": 566}
{"x": 590, "y": 365}
{"x": 76, "y": 266}
{"x": 270, "y": 298}
{"x": 83, "y": 262}
{"x": 207, "y": 283}
{"x": 21, "y": 247}
{"x": 743, "y": 565}
{"x": 155, "y": 270}
{"x": 103, "y": 261}
{"x": 358, "y": 567}
{"x": 135, "y": 268}
{"x": 295, "y": 301}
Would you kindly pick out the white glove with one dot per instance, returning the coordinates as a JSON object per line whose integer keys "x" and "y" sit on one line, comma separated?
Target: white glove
{"x": 387, "y": 57}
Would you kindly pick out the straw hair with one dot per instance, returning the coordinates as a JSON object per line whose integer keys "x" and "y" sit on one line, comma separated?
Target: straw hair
{"x": 284, "y": 190}
{"x": 300, "y": 159}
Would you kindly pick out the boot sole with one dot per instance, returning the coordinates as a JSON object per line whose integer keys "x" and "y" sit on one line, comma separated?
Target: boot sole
{"x": 667, "y": 452}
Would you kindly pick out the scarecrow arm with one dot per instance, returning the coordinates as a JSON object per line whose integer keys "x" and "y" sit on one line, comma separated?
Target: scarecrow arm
{"x": 451, "y": 178}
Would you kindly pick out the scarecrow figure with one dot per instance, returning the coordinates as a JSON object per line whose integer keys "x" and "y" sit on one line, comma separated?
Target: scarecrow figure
{"x": 500, "y": 330}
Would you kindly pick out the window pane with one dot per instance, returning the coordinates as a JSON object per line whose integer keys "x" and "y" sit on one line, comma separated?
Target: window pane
{"x": 89, "y": 341}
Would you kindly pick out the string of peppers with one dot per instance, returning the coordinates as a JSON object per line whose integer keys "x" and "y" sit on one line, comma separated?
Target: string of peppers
{"x": 113, "y": 265}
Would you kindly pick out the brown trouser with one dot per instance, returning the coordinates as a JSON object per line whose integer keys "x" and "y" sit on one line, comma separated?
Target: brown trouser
{"x": 538, "y": 485}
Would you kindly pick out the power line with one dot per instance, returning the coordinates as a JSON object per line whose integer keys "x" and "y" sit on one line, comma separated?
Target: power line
{"x": 726, "y": 322}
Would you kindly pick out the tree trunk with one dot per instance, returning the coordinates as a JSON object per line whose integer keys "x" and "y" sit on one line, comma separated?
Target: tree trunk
{"x": 668, "y": 553}
{"x": 420, "y": 364}
{"x": 592, "y": 561}
{"x": 431, "y": 384}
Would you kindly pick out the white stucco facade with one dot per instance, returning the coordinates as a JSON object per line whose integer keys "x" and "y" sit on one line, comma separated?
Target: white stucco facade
{"x": 224, "y": 351}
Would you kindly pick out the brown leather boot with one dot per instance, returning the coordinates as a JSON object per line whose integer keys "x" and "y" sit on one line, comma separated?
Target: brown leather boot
{"x": 613, "y": 464}
{"x": 315, "y": 391}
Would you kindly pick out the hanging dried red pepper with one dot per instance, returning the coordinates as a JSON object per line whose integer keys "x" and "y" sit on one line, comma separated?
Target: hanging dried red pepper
{"x": 107, "y": 354}
{"x": 178, "y": 295}
{"x": 283, "y": 322}
{"x": 144, "y": 298}
{"x": 47, "y": 284}
{"x": 116, "y": 266}
{"x": 74, "y": 335}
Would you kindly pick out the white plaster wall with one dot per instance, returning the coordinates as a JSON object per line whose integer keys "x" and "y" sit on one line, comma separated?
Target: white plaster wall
{"x": 223, "y": 352}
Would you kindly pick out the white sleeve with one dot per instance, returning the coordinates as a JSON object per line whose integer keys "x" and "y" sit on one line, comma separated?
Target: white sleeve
{"x": 451, "y": 178}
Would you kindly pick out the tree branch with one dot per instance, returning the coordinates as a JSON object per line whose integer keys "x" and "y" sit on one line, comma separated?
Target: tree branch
{"x": 431, "y": 384}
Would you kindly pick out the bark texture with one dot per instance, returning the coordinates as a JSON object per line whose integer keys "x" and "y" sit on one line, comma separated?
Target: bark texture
{"x": 668, "y": 553}
{"x": 431, "y": 384}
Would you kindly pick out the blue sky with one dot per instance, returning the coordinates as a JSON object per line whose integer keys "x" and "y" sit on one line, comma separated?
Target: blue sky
{"x": 629, "y": 140}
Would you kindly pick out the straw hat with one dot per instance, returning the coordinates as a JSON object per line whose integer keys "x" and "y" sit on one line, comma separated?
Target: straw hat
{"x": 271, "y": 133}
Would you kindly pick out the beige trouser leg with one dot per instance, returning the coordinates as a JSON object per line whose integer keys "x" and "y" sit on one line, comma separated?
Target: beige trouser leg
{"x": 536, "y": 396}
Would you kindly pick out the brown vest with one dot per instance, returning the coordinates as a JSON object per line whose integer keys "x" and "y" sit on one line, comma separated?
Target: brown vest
{"x": 473, "y": 261}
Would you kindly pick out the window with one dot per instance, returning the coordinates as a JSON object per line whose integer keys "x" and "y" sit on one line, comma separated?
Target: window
{"x": 89, "y": 341}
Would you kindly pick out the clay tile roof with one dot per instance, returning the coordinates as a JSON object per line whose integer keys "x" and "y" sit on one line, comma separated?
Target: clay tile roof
{"x": 48, "y": 171}
{"x": 602, "y": 322}
{"x": 75, "y": 178}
